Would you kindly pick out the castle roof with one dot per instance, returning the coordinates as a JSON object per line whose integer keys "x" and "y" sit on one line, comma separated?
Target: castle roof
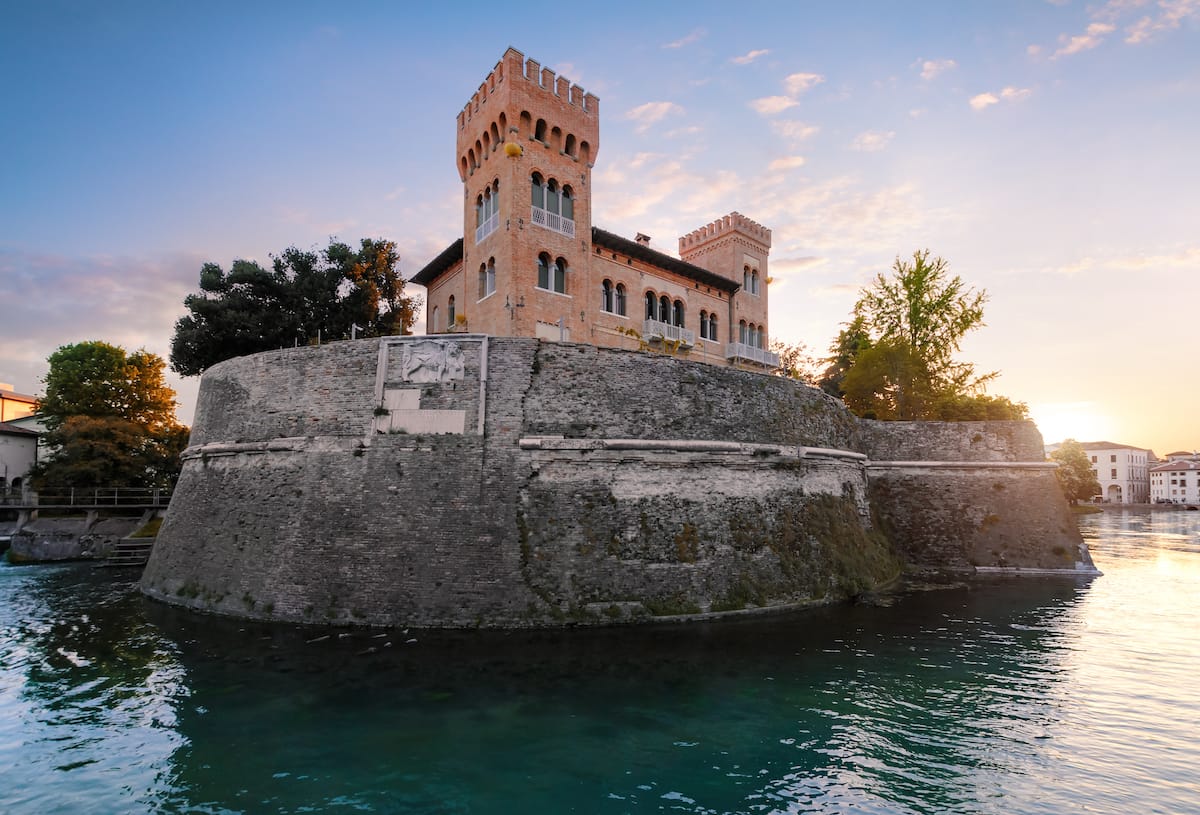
{"x": 453, "y": 254}
{"x": 10, "y": 429}
{"x": 1108, "y": 445}
{"x": 645, "y": 254}
{"x": 450, "y": 255}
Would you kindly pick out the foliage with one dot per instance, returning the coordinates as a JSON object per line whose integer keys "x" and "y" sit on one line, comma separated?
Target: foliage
{"x": 305, "y": 295}
{"x": 1075, "y": 472}
{"x": 110, "y": 420}
{"x": 851, "y": 340}
{"x": 101, "y": 380}
{"x": 895, "y": 359}
{"x": 795, "y": 361}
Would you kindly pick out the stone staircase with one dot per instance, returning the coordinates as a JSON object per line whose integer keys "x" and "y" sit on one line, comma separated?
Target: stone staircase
{"x": 130, "y": 552}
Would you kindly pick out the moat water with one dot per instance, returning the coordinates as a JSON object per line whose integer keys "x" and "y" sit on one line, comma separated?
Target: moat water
{"x": 1004, "y": 696}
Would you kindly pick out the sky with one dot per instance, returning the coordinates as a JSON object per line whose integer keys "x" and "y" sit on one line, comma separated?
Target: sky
{"x": 1049, "y": 151}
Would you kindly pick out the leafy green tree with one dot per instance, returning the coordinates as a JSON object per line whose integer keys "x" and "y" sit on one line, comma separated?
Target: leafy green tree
{"x": 333, "y": 293}
{"x": 895, "y": 359}
{"x": 110, "y": 420}
{"x": 852, "y": 339}
{"x": 1074, "y": 472}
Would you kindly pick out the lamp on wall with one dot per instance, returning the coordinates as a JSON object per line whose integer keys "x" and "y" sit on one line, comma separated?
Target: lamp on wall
{"x": 512, "y": 149}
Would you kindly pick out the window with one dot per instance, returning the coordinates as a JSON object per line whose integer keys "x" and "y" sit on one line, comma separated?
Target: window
{"x": 1093, "y": 459}
{"x": 742, "y": 332}
{"x": 433, "y": 321}
{"x": 664, "y": 309}
{"x": 606, "y": 296}
{"x": 677, "y": 314}
{"x": 703, "y": 324}
{"x": 621, "y": 299}
{"x": 487, "y": 211}
{"x": 553, "y": 207}
{"x": 552, "y": 275}
{"x": 712, "y": 327}
{"x": 487, "y": 278}
{"x": 651, "y": 306}
{"x": 754, "y": 281}
{"x": 1114, "y": 472}
{"x": 1113, "y": 458}
{"x": 450, "y": 313}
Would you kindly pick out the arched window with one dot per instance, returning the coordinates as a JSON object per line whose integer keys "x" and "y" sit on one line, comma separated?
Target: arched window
{"x": 754, "y": 281}
{"x": 606, "y": 296}
{"x": 570, "y": 148}
{"x": 703, "y": 325}
{"x": 712, "y": 327}
{"x": 677, "y": 314}
{"x": 746, "y": 278}
{"x": 560, "y": 276}
{"x": 762, "y": 338}
{"x": 742, "y": 332}
{"x": 495, "y": 136}
{"x": 543, "y": 269}
{"x": 539, "y": 130}
{"x": 433, "y": 321}
{"x": 651, "y": 306}
{"x": 568, "y": 203}
{"x": 553, "y": 199}
{"x": 450, "y": 313}
{"x": 525, "y": 124}
{"x": 537, "y": 191}
{"x": 664, "y": 309}
{"x": 621, "y": 299}
{"x": 487, "y": 278}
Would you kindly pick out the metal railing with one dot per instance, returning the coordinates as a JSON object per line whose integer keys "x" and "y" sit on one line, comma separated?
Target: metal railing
{"x": 748, "y": 353}
{"x": 552, "y": 221}
{"x": 656, "y": 330}
{"x": 99, "y": 497}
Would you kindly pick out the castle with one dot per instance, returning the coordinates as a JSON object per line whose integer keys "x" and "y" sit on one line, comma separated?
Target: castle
{"x": 483, "y": 477}
{"x": 532, "y": 264}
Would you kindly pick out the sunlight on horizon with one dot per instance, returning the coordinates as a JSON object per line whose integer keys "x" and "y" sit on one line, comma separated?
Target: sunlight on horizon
{"x": 1082, "y": 421}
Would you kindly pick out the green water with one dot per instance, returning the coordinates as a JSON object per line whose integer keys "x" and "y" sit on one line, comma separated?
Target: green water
{"x": 1013, "y": 696}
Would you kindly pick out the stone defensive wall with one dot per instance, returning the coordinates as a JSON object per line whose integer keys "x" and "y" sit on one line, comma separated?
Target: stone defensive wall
{"x": 467, "y": 480}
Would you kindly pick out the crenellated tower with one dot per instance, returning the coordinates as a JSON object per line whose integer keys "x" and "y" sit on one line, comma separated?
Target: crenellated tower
{"x": 527, "y": 140}
{"x": 736, "y": 248}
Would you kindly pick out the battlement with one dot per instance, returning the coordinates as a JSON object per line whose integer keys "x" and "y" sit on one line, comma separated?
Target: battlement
{"x": 515, "y": 67}
{"x": 733, "y": 222}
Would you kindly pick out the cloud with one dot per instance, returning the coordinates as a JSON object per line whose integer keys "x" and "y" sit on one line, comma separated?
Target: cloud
{"x": 747, "y": 58}
{"x": 783, "y": 267}
{"x": 1172, "y": 16}
{"x": 872, "y": 141}
{"x": 793, "y": 130}
{"x": 689, "y": 130}
{"x": 1162, "y": 261}
{"x": 770, "y": 105}
{"x": 695, "y": 35}
{"x": 932, "y": 67}
{"x": 917, "y": 113}
{"x": 1008, "y": 94}
{"x": 796, "y": 84}
{"x": 786, "y": 163}
{"x": 648, "y": 114}
{"x": 1093, "y": 36}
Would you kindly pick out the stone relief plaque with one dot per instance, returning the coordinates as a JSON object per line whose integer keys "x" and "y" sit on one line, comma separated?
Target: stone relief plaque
{"x": 431, "y": 361}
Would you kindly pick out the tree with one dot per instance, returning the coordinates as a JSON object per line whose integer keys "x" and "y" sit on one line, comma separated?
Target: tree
{"x": 1075, "y": 473}
{"x": 110, "y": 420}
{"x": 795, "y": 362}
{"x": 895, "y": 359}
{"x": 333, "y": 293}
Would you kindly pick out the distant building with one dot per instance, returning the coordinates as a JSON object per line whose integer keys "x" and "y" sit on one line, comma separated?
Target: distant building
{"x": 531, "y": 263}
{"x": 14, "y": 405}
{"x": 18, "y": 454}
{"x": 1177, "y": 480}
{"x": 1122, "y": 470}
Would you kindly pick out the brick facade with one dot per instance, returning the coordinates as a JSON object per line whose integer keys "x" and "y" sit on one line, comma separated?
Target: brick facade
{"x": 526, "y": 144}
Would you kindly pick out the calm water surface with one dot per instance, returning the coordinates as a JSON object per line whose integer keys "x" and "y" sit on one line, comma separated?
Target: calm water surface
{"x": 1013, "y": 696}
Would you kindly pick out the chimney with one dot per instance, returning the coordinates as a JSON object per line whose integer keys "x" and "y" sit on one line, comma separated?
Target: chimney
{"x": 643, "y": 239}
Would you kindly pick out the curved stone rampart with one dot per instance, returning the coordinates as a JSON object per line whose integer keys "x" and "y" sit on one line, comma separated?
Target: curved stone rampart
{"x": 481, "y": 481}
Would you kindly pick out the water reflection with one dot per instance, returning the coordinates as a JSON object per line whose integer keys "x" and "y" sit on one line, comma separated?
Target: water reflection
{"x": 1023, "y": 696}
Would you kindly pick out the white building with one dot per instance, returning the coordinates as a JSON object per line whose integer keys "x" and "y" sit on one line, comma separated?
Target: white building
{"x": 1176, "y": 481}
{"x": 1122, "y": 470}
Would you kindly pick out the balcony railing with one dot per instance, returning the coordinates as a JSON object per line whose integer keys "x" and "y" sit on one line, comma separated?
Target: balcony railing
{"x": 552, "y": 221}
{"x": 654, "y": 331}
{"x": 488, "y": 227}
{"x": 102, "y": 497}
{"x": 742, "y": 352}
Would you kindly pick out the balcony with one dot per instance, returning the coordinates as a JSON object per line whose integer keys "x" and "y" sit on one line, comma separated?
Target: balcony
{"x": 655, "y": 331}
{"x": 741, "y": 352}
{"x": 488, "y": 227}
{"x": 552, "y": 221}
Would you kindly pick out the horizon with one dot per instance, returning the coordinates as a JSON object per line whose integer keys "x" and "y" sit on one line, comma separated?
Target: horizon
{"x": 1045, "y": 150}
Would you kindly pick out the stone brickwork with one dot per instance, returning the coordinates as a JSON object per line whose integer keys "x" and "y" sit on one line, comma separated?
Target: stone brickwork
{"x": 576, "y": 485}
